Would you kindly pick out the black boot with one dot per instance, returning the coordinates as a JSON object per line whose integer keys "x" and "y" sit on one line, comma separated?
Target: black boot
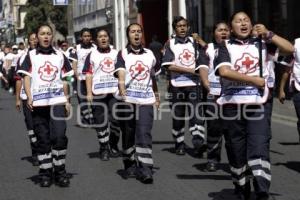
{"x": 144, "y": 174}
{"x": 243, "y": 192}
{"x": 62, "y": 179}
{"x": 34, "y": 160}
{"x": 104, "y": 152}
{"x": 130, "y": 169}
{"x": 114, "y": 151}
{"x": 180, "y": 149}
{"x": 45, "y": 177}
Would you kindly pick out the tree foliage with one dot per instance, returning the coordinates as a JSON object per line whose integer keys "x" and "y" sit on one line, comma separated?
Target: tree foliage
{"x": 41, "y": 11}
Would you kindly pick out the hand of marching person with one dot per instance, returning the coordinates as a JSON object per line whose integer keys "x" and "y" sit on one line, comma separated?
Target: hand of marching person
{"x": 281, "y": 96}
{"x": 18, "y": 105}
{"x": 157, "y": 103}
{"x": 122, "y": 91}
{"x": 89, "y": 98}
{"x": 261, "y": 30}
{"x": 68, "y": 109}
{"x": 29, "y": 104}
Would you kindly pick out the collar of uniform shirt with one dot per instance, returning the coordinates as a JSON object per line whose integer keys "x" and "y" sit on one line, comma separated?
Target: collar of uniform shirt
{"x": 43, "y": 50}
{"x": 248, "y": 40}
{"x": 140, "y": 50}
{"x": 102, "y": 50}
{"x": 182, "y": 40}
{"x": 86, "y": 46}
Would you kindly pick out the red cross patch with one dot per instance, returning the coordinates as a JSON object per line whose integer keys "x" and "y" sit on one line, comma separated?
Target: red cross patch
{"x": 139, "y": 71}
{"x": 246, "y": 64}
{"x": 48, "y": 72}
{"x": 187, "y": 58}
{"x": 107, "y": 65}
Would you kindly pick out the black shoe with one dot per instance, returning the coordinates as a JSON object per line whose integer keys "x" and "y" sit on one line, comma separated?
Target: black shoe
{"x": 262, "y": 196}
{"x": 45, "y": 181}
{"x": 104, "y": 155}
{"x": 34, "y": 161}
{"x": 211, "y": 167}
{"x": 146, "y": 178}
{"x": 180, "y": 149}
{"x": 62, "y": 180}
{"x": 199, "y": 146}
{"x": 130, "y": 172}
{"x": 243, "y": 193}
{"x": 114, "y": 152}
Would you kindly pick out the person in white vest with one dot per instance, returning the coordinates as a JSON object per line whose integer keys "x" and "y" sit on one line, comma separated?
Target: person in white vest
{"x": 136, "y": 69}
{"x": 185, "y": 90}
{"x": 44, "y": 70}
{"x": 78, "y": 57}
{"x": 242, "y": 65}
{"x": 211, "y": 83}
{"x": 294, "y": 74}
{"x": 22, "y": 98}
{"x": 101, "y": 86}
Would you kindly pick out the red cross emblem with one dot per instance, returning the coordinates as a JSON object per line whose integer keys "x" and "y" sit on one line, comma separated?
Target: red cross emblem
{"x": 48, "y": 72}
{"x": 139, "y": 71}
{"x": 246, "y": 64}
{"x": 107, "y": 65}
{"x": 186, "y": 58}
{"x": 48, "y": 69}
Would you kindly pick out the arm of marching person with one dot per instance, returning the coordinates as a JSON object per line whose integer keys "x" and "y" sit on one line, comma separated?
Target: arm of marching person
{"x": 120, "y": 73}
{"x": 67, "y": 71}
{"x": 199, "y": 40}
{"x": 223, "y": 69}
{"x": 18, "y": 79}
{"x": 88, "y": 71}
{"x": 25, "y": 71}
{"x": 168, "y": 62}
{"x": 3, "y": 78}
{"x": 155, "y": 72}
{"x": 284, "y": 46}
{"x": 283, "y": 80}
{"x": 73, "y": 56}
{"x": 203, "y": 68}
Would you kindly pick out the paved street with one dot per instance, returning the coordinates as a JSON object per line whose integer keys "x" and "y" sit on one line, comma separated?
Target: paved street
{"x": 175, "y": 178}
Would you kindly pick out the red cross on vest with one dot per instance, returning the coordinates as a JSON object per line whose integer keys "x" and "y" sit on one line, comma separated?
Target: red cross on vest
{"x": 139, "y": 68}
{"x": 108, "y": 63}
{"x": 247, "y": 62}
{"x": 48, "y": 69}
{"x": 187, "y": 55}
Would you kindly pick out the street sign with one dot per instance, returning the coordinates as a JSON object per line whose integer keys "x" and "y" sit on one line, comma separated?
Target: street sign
{"x": 60, "y": 2}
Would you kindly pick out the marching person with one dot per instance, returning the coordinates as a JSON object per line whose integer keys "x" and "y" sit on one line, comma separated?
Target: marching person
{"x": 211, "y": 83}
{"x": 101, "y": 86}
{"x": 136, "y": 69}
{"x": 22, "y": 98}
{"x": 179, "y": 59}
{"x": 243, "y": 96}
{"x": 294, "y": 73}
{"x": 78, "y": 58}
{"x": 44, "y": 69}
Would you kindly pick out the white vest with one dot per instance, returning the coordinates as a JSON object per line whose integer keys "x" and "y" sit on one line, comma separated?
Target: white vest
{"x": 214, "y": 81}
{"x": 81, "y": 56}
{"x": 245, "y": 60}
{"x": 296, "y": 68}
{"x": 46, "y": 78}
{"x": 184, "y": 55}
{"x": 103, "y": 65}
{"x": 138, "y": 82}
